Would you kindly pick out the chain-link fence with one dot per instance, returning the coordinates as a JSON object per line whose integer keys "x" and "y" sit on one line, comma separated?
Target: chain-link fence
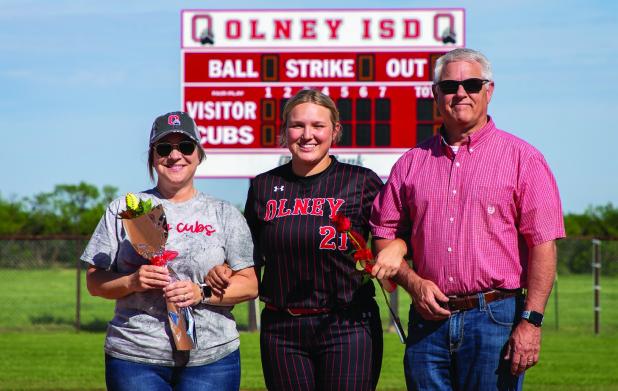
{"x": 575, "y": 256}
{"x": 40, "y": 252}
{"x": 44, "y": 287}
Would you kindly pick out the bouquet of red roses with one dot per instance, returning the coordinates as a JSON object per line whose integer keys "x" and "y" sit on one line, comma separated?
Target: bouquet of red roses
{"x": 363, "y": 257}
{"x": 146, "y": 228}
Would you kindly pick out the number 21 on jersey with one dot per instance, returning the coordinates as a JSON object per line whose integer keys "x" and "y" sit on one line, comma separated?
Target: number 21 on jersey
{"x": 329, "y": 239}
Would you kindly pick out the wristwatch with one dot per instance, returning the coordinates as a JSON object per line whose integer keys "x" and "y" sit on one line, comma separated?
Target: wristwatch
{"x": 533, "y": 317}
{"x": 206, "y": 292}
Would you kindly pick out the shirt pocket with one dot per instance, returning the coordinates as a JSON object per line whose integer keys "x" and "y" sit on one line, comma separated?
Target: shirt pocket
{"x": 494, "y": 206}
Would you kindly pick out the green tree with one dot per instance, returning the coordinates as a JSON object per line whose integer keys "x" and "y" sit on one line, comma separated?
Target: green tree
{"x": 599, "y": 221}
{"x": 13, "y": 216}
{"x": 68, "y": 209}
{"x": 596, "y": 222}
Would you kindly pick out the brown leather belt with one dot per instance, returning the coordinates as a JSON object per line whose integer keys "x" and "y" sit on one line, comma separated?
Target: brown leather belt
{"x": 298, "y": 311}
{"x": 467, "y": 302}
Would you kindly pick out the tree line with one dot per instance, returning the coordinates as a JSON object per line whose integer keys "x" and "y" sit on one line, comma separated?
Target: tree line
{"x": 66, "y": 210}
{"x": 76, "y": 209}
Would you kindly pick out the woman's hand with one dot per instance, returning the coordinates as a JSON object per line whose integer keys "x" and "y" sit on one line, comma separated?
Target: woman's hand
{"x": 150, "y": 277}
{"x": 183, "y": 293}
{"x": 389, "y": 259}
{"x": 218, "y": 279}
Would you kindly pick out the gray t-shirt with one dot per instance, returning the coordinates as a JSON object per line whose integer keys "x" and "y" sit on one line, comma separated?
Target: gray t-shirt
{"x": 205, "y": 232}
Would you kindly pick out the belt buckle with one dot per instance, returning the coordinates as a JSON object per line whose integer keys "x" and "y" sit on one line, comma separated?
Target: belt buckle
{"x": 447, "y": 305}
{"x": 452, "y": 311}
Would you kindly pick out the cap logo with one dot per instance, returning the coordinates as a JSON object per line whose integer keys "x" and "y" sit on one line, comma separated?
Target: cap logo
{"x": 173, "y": 120}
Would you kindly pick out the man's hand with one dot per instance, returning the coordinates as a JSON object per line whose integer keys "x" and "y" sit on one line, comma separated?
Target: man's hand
{"x": 425, "y": 293}
{"x": 218, "y": 279}
{"x": 426, "y": 296}
{"x": 523, "y": 347}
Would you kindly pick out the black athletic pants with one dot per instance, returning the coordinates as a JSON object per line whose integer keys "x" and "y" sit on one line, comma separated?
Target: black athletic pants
{"x": 341, "y": 350}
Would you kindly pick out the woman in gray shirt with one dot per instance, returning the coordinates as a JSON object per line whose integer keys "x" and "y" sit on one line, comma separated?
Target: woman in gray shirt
{"x": 139, "y": 350}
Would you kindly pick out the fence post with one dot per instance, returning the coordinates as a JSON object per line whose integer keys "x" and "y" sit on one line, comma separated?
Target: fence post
{"x": 596, "y": 267}
{"x": 556, "y": 300}
{"x": 78, "y": 295}
{"x": 252, "y": 324}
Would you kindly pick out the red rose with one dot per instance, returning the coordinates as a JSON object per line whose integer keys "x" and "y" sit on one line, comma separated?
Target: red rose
{"x": 363, "y": 255}
{"x": 161, "y": 260}
{"x": 342, "y": 223}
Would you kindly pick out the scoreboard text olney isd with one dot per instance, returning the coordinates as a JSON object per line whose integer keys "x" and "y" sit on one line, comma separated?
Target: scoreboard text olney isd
{"x": 240, "y": 67}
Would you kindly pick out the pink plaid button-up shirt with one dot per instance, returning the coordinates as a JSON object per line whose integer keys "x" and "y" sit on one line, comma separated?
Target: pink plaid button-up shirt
{"x": 471, "y": 217}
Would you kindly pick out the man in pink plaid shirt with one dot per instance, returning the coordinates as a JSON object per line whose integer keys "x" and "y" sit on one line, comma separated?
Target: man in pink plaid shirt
{"x": 480, "y": 211}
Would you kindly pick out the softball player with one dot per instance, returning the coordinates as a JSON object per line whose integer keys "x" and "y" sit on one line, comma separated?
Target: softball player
{"x": 321, "y": 327}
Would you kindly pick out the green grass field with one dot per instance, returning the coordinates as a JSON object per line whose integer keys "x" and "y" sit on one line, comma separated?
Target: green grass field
{"x": 40, "y": 350}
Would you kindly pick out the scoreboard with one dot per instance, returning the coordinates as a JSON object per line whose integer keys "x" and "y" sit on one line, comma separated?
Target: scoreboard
{"x": 240, "y": 67}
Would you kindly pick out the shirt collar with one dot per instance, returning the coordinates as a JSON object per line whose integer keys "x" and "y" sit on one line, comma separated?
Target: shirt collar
{"x": 473, "y": 141}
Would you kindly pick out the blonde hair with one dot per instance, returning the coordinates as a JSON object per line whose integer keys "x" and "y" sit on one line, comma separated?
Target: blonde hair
{"x": 309, "y": 96}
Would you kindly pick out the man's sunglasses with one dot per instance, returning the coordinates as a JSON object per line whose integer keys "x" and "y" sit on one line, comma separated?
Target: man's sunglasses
{"x": 185, "y": 147}
{"x": 472, "y": 86}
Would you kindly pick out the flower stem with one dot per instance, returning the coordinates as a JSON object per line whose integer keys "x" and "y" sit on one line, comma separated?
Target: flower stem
{"x": 398, "y": 326}
{"x": 353, "y": 239}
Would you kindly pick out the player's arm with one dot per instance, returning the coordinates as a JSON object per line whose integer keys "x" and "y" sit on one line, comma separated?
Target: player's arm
{"x": 231, "y": 287}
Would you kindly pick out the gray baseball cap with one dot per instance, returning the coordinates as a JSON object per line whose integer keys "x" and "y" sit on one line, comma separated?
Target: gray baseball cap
{"x": 174, "y": 122}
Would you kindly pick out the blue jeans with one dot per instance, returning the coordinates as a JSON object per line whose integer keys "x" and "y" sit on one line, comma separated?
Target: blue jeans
{"x": 464, "y": 352}
{"x": 222, "y": 375}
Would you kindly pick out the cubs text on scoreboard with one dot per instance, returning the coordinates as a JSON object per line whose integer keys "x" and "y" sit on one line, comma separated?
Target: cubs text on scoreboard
{"x": 240, "y": 67}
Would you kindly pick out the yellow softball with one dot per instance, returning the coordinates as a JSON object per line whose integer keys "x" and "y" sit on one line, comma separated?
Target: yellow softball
{"x": 132, "y": 202}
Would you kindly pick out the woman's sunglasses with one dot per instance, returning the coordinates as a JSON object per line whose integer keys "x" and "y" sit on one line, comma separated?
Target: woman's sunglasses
{"x": 185, "y": 147}
{"x": 472, "y": 86}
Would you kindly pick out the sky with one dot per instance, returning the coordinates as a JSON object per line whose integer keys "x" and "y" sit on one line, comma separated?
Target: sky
{"x": 82, "y": 82}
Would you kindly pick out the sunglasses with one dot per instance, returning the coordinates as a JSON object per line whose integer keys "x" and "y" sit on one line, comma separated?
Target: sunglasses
{"x": 472, "y": 86}
{"x": 185, "y": 147}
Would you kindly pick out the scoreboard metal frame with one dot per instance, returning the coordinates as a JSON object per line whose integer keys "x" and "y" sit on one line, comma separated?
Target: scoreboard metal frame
{"x": 240, "y": 67}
